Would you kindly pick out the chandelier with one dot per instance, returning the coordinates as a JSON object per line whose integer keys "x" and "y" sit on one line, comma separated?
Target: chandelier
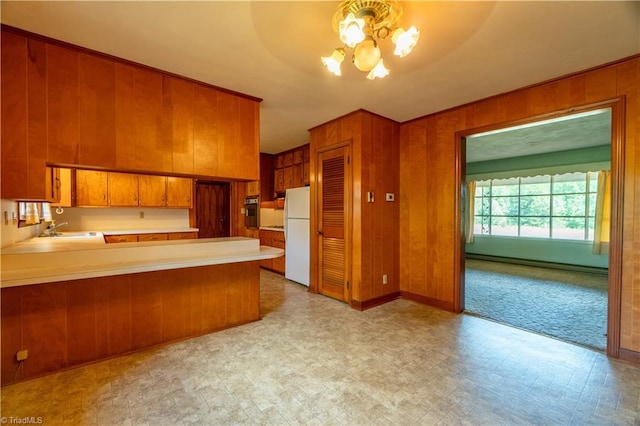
{"x": 361, "y": 25}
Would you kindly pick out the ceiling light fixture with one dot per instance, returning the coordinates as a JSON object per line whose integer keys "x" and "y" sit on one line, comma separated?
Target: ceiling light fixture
{"x": 361, "y": 24}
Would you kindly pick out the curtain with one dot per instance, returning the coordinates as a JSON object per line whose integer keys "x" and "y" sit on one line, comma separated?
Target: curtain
{"x": 469, "y": 211}
{"x": 31, "y": 213}
{"x": 603, "y": 213}
{"x": 46, "y": 212}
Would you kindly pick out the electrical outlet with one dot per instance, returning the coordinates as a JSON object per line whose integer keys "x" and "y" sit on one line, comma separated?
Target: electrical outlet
{"x": 22, "y": 354}
{"x": 141, "y": 215}
{"x": 384, "y": 279}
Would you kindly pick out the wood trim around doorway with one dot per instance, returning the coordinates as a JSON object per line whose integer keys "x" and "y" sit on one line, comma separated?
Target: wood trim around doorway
{"x": 617, "y": 107}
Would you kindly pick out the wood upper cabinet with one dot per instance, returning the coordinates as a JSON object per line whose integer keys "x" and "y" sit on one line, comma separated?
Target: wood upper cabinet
{"x": 152, "y": 191}
{"x": 91, "y": 188}
{"x": 24, "y": 119}
{"x": 65, "y": 106}
{"x": 178, "y": 109}
{"x": 278, "y": 181}
{"x": 63, "y": 130}
{"x": 123, "y": 189}
{"x": 179, "y": 192}
{"x": 205, "y": 132}
{"x": 253, "y": 187}
{"x": 153, "y": 149}
{"x": 96, "y": 111}
{"x": 291, "y": 169}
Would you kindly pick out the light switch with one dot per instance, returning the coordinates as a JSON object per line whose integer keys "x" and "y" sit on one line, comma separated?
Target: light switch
{"x": 370, "y": 197}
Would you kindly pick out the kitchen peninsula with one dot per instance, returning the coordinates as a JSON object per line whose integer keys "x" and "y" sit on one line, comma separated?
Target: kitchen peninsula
{"x": 74, "y": 299}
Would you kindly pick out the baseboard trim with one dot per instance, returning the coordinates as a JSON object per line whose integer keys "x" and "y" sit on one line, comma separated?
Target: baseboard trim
{"x": 366, "y": 304}
{"x": 539, "y": 263}
{"x": 440, "y": 304}
{"x": 629, "y": 355}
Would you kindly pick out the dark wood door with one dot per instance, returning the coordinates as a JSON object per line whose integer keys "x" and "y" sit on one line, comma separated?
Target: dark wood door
{"x": 212, "y": 209}
{"x": 333, "y": 219}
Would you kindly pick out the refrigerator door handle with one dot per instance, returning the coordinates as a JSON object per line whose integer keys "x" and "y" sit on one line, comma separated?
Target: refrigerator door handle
{"x": 285, "y": 218}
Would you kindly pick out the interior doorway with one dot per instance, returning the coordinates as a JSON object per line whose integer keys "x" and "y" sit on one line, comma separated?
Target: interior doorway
{"x": 212, "y": 209}
{"x": 612, "y": 111}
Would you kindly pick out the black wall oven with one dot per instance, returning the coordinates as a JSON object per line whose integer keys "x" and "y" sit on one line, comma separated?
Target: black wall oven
{"x": 251, "y": 212}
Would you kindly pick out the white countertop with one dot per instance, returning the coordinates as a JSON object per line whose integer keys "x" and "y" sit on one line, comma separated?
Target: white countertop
{"x": 74, "y": 256}
{"x": 149, "y": 231}
{"x": 272, "y": 228}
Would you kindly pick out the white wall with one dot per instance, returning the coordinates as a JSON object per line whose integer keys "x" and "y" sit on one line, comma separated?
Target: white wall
{"x": 10, "y": 233}
{"x": 111, "y": 219}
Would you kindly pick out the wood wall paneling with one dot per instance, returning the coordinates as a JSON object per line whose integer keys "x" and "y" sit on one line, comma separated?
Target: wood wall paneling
{"x": 427, "y": 198}
{"x": 11, "y": 328}
{"x": 44, "y": 328}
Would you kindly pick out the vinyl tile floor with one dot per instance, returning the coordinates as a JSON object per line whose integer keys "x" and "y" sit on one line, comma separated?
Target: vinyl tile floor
{"x": 315, "y": 361}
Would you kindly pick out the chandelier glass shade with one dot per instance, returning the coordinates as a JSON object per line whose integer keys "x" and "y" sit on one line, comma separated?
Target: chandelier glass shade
{"x": 361, "y": 24}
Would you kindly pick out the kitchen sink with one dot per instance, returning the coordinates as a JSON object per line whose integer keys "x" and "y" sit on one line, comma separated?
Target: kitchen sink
{"x": 78, "y": 234}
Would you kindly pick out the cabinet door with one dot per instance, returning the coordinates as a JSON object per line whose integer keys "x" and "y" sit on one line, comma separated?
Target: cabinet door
{"x": 153, "y": 190}
{"x": 179, "y": 191}
{"x": 97, "y": 111}
{"x": 288, "y": 159}
{"x": 23, "y": 118}
{"x": 130, "y": 238}
{"x": 91, "y": 188}
{"x": 62, "y": 105}
{"x": 123, "y": 190}
{"x": 205, "y": 133}
{"x": 288, "y": 178}
{"x": 278, "y": 185}
{"x": 298, "y": 156}
{"x": 265, "y": 240}
{"x": 278, "y": 262}
{"x": 153, "y": 151}
{"x": 253, "y": 187}
{"x": 279, "y": 161}
{"x": 182, "y": 235}
{"x": 152, "y": 237}
{"x": 298, "y": 175}
{"x": 177, "y": 105}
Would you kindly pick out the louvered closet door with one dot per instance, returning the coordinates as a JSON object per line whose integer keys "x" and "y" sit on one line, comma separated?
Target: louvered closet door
{"x": 332, "y": 220}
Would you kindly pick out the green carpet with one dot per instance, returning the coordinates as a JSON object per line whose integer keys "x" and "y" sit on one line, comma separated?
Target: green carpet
{"x": 570, "y": 306}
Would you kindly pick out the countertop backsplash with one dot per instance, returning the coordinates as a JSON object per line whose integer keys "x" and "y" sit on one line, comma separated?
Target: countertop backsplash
{"x": 96, "y": 219}
{"x": 271, "y": 217}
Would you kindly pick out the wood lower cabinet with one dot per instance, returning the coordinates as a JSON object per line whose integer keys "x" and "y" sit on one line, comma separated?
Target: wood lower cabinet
{"x": 129, "y": 238}
{"x": 69, "y": 323}
{"x": 273, "y": 239}
{"x": 182, "y": 235}
{"x": 134, "y": 238}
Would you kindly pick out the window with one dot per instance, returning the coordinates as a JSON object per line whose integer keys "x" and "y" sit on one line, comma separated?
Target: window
{"x": 548, "y": 206}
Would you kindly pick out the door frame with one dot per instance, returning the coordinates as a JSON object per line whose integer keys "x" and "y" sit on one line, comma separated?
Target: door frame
{"x": 617, "y": 106}
{"x": 316, "y": 270}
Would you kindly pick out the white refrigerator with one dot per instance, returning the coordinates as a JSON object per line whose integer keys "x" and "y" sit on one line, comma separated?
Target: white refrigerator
{"x": 296, "y": 235}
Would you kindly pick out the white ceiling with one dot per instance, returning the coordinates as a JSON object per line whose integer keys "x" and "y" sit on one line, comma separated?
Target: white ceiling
{"x": 271, "y": 50}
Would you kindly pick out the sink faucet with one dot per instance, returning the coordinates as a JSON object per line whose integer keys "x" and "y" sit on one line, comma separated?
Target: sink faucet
{"x": 51, "y": 229}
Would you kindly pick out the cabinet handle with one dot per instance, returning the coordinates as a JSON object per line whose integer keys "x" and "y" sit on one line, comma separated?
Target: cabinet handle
{"x": 122, "y": 240}
{"x": 153, "y": 238}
